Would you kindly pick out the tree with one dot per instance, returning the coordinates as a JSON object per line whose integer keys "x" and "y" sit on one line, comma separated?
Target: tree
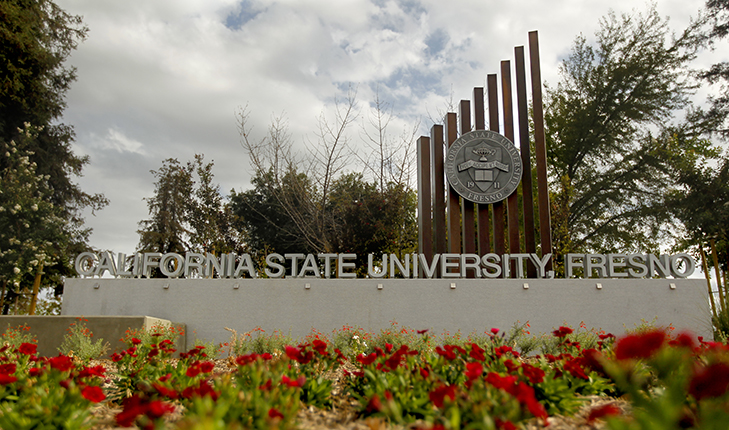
{"x": 166, "y": 231}
{"x": 313, "y": 205}
{"x": 33, "y": 233}
{"x": 718, "y": 11}
{"x": 38, "y": 37}
{"x": 188, "y": 213}
{"x": 370, "y": 220}
{"x": 210, "y": 219}
{"x": 612, "y": 149}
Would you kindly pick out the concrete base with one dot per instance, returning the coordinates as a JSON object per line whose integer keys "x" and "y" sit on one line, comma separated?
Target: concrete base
{"x": 50, "y": 330}
{"x": 296, "y": 306}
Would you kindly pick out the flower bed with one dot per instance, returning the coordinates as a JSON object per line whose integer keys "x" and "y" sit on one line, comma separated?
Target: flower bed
{"x": 399, "y": 376}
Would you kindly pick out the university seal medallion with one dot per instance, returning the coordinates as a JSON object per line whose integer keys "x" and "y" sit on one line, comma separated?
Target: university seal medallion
{"x": 483, "y": 166}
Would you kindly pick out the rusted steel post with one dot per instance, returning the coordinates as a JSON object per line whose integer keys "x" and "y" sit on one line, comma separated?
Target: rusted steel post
{"x": 425, "y": 200}
{"x": 467, "y": 207}
{"x": 438, "y": 187}
{"x": 512, "y": 202}
{"x": 453, "y": 201}
{"x": 482, "y": 211}
{"x": 530, "y": 245}
{"x": 499, "y": 223}
{"x": 540, "y": 148}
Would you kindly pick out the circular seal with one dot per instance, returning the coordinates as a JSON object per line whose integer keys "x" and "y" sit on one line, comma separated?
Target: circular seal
{"x": 483, "y": 166}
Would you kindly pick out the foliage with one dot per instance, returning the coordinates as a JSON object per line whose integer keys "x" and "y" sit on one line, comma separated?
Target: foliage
{"x": 15, "y": 336}
{"x": 257, "y": 342}
{"x": 611, "y": 145}
{"x": 25, "y": 205}
{"x": 38, "y": 37}
{"x": 30, "y": 388}
{"x": 718, "y": 12}
{"x": 77, "y": 343}
{"x": 311, "y": 204}
{"x": 166, "y": 231}
{"x": 187, "y": 212}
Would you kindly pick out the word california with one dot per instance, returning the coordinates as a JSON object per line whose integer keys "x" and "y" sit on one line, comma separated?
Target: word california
{"x": 192, "y": 265}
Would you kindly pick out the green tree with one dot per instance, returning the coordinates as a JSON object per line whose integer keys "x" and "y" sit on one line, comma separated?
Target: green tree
{"x": 612, "y": 150}
{"x": 37, "y": 38}
{"x": 33, "y": 232}
{"x": 718, "y": 12}
{"x": 167, "y": 230}
{"x": 372, "y": 220}
{"x": 265, "y": 212}
{"x": 209, "y": 217}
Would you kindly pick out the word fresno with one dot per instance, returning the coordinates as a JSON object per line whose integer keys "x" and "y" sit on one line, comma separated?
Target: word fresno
{"x": 231, "y": 265}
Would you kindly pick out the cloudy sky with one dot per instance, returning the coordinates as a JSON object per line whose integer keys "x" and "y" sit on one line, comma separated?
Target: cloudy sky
{"x": 163, "y": 79}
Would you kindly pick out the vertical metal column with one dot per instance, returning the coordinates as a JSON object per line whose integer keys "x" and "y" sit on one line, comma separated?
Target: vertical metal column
{"x": 439, "y": 206}
{"x": 425, "y": 200}
{"x": 499, "y": 223}
{"x": 467, "y": 207}
{"x": 540, "y": 148}
{"x": 530, "y": 246}
{"x": 482, "y": 211}
{"x": 512, "y": 202}
{"x": 454, "y": 204}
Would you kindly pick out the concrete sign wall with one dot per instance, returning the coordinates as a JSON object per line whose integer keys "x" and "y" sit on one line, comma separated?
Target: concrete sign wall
{"x": 297, "y": 306}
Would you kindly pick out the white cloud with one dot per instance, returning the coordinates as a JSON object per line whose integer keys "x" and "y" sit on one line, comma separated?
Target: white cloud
{"x": 162, "y": 78}
{"x": 117, "y": 141}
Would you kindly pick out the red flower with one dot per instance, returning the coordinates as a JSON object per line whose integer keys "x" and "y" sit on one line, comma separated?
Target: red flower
{"x": 473, "y": 370}
{"x": 167, "y": 392}
{"x": 639, "y": 345}
{"x": 374, "y": 405}
{"x": 7, "y": 379}
{"x": 61, "y": 362}
{"x": 7, "y": 369}
{"x": 320, "y": 347}
{"x": 505, "y": 425}
{"x": 93, "y": 394}
{"x": 267, "y": 386}
{"x": 438, "y": 395}
{"x": 574, "y": 367}
{"x": 503, "y": 349}
{"x": 274, "y": 413}
{"x": 136, "y": 341}
{"x": 242, "y": 360}
{"x": 299, "y": 382}
{"x": 494, "y": 331}
{"x": 709, "y": 381}
{"x": 684, "y": 340}
{"x": 92, "y": 371}
{"x": 28, "y": 348}
{"x": 193, "y": 371}
{"x": 477, "y": 352}
{"x": 447, "y": 353}
{"x": 605, "y": 410}
{"x": 132, "y": 407}
{"x": 157, "y": 408}
{"x": 207, "y": 366}
{"x": 116, "y": 357}
{"x": 422, "y": 331}
{"x": 534, "y": 374}
{"x": 366, "y": 360}
{"x": 298, "y": 355}
{"x": 562, "y": 331}
{"x": 35, "y": 371}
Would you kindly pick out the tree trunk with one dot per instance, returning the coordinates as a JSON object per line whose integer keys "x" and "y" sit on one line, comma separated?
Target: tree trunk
{"x": 707, "y": 274}
{"x": 722, "y": 296}
{"x": 36, "y": 288}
